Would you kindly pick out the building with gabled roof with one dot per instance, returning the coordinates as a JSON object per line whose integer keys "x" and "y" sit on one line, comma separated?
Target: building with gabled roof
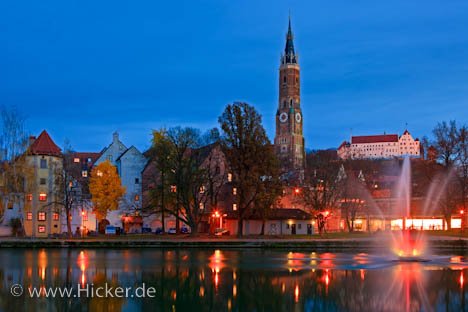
{"x": 380, "y": 146}
{"x": 130, "y": 163}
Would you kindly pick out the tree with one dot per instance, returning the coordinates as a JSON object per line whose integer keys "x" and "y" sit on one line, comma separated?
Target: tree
{"x": 187, "y": 173}
{"x": 106, "y": 189}
{"x": 160, "y": 154}
{"x": 445, "y": 144}
{"x": 246, "y": 147}
{"x": 323, "y": 183}
{"x": 462, "y": 161}
{"x": 14, "y": 169}
{"x": 271, "y": 189}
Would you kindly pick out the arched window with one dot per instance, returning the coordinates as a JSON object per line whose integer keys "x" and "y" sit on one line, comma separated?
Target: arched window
{"x": 284, "y": 79}
{"x": 290, "y": 103}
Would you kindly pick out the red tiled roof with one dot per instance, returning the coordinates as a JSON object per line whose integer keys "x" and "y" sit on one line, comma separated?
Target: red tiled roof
{"x": 374, "y": 138}
{"x": 44, "y": 145}
{"x": 343, "y": 144}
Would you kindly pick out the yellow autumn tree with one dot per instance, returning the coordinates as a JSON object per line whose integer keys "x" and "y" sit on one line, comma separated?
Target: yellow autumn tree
{"x": 106, "y": 189}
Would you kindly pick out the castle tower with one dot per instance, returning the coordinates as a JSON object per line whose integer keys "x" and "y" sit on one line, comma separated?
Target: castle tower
{"x": 289, "y": 139}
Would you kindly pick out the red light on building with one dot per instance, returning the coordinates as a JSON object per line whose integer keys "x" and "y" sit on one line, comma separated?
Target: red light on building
{"x": 297, "y": 190}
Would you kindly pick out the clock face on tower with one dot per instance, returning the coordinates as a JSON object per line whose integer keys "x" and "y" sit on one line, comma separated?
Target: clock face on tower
{"x": 298, "y": 117}
{"x": 283, "y": 117}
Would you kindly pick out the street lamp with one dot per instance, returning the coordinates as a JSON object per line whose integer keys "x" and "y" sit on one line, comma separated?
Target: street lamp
{"x": 462, "y": 212}
{"x": 82, "y": 222}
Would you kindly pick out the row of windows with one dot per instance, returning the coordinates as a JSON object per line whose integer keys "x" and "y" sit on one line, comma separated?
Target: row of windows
{"x": 42, "y": 216}
{"x": 42, "y": 197}
{"x": 202, "y": 206}
{"x": 77, "y": 160}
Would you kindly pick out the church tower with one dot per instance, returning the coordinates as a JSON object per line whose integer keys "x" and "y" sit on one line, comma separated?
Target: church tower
{"x": 289, "y": 139}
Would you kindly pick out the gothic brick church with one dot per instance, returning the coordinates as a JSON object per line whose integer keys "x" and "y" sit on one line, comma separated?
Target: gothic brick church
{"x": 289, "y": 138}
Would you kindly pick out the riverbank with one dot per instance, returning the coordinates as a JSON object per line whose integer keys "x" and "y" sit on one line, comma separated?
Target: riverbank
{"x": 321, "y": 244}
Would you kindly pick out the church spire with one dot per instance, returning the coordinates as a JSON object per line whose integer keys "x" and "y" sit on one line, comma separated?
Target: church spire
{"x": 289, "y": 56}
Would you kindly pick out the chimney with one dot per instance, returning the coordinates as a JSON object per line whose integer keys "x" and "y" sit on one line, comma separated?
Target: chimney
{"x": 115, "y": 137}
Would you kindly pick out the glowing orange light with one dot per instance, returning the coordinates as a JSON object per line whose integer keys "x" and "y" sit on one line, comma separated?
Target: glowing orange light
{"x": 363, "y": 274}
{"x": 462, "y": 279}
{"x": 462, "y": 211}
{"x": 326, "y": 213}
{"x": 296, "y": 294}
{"x": 297, "y": 190}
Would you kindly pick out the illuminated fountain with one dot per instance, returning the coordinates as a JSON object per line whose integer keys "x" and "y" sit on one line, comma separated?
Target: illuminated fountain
{"x": 410, "y": 244}
{"x": 407, "y": 244}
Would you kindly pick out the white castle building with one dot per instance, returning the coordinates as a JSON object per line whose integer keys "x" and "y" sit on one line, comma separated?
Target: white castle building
{"x": 380, "y": 146}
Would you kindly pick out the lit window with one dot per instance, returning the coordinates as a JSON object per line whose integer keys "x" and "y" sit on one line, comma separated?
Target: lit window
{"x": 77, "y": 160}
{"x": 173, "y": 189}
{"x": 234, "y": 207}
{"x": 89, "y": 160}
{"x": 234, "y": 191}
{"x": 202, "y": 189}
{"x": 41, "y": 228}
{"x": 29, "y": 197}
{"x": 55, "y": 216}
{"x": 202, "y": 206}
{"x": 29, "y": 216}
{"x": 84, "y": 173}
{"x": 229, "y": 177}
{"x": 42, "y": 197}
{"x": 43, "y": 163}
{"x": 137, "y": 197}
{"x": 42, "y": 181}
{"x": 41, "y": 216}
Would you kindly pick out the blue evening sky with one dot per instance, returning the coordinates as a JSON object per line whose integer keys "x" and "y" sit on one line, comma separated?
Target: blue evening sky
{"x": 83, "y": 69}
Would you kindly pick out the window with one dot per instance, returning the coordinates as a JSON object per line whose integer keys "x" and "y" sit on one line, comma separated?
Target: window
{"x": 41, "y": 228}
{"x": 137, "y": 197}
{"x": 287, "y": 226}
{"x": 284, "y": 79}
{"x": 173, "y": 189}
{"x": 201, "y": 206}
{"x": 42, "y": 181}
{"x": 76, "y": 160}
{"x": 41, "y": 216}
{"x": 90, "y": 160}
{"x": 29, "y": 216}
{"x": 202, "y": 189}
{"x": 299, "y": 226}
{"x": 234, "y": 207}
{"x": 234, "y": 191}
{"x": 43, "y": 163}
{"x": 84, "y": 173}
{"x": 42, "y": 197}
{"x": 137, "y": 181}
{"x": 29, "y": 197}
{"x": 229, "y": 177}
{"x": 55, "y": 216}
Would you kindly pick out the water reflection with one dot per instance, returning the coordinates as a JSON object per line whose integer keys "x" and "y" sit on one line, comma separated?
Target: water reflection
{"x": 235, "y": 280}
